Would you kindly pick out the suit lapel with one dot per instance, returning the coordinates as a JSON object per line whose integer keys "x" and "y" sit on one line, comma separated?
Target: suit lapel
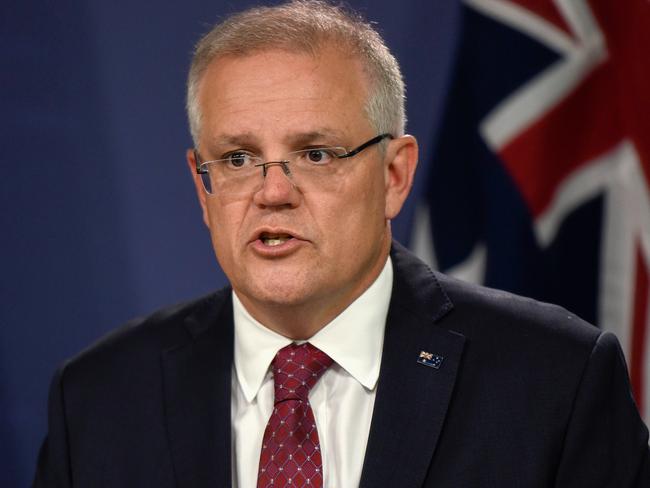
{"x": 412, "y": 398}
{"x": 197, "y": 383}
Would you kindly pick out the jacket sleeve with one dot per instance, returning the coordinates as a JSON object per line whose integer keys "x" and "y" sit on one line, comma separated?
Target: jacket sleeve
{"x": 606, "y": 442}
{"x": 53, "y": 468}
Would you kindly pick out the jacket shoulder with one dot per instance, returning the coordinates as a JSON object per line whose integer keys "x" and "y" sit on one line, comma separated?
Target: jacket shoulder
{"x": 485, "y": 315}
{"x": 511, "y": 314}
{"x": 141, "y": 340}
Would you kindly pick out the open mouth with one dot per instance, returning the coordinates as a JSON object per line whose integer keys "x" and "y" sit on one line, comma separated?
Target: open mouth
{"x": 272, "y": 240}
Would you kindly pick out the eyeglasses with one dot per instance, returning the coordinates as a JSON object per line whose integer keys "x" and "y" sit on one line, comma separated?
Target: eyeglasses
{"x": 313, "y": 168}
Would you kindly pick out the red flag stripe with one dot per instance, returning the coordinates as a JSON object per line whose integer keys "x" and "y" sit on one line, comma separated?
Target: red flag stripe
{"x": 572, "y": 133}
{"x": 639, "y": 328}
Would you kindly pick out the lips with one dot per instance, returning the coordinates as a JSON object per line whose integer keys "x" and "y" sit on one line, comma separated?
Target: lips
{"x": 275, "y": 242}
{"x": 274, "y": 239}
{"x": 274, "y": 236}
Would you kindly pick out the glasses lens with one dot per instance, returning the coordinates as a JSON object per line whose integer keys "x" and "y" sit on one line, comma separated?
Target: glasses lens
{"x": 223, "y": 178}
{"x": 318, "y": 169}
{"x": 207, "y": 183}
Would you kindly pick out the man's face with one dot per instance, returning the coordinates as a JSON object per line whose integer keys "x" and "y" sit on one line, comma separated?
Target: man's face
{"x": 272, "y": 103}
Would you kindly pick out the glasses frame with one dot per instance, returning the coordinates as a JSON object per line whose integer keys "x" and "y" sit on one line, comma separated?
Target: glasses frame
{"x": 349, "y": 154}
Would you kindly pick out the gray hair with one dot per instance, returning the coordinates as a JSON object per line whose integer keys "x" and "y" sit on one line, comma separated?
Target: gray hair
{"x": 305, "y": 26}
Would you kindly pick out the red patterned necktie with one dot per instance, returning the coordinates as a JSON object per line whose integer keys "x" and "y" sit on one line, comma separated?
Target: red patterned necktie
{"x": 291, "y": 454}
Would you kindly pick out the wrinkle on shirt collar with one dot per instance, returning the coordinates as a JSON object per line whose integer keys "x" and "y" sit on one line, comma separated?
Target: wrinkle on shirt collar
{"x": 354, "y": 339}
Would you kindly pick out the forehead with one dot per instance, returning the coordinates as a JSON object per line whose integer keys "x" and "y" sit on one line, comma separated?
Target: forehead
{"x": 277, "y": 92}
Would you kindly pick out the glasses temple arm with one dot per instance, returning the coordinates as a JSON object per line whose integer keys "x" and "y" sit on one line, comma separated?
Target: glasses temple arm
{"x": 363, "y": 146}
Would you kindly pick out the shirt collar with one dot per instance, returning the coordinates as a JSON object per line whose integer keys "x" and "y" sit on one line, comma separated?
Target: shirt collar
{"x": 354, "y": 339}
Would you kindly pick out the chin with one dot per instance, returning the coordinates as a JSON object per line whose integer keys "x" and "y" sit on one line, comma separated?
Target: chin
{"x": 279, "y": 289}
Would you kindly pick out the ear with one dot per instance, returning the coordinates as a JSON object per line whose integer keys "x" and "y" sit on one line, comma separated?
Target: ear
{"x": 399, "y": 170}
{"x": 198, "y": 184}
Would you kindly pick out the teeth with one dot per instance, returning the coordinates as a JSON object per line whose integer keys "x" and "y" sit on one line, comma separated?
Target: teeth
{"x": 275, "y": 240}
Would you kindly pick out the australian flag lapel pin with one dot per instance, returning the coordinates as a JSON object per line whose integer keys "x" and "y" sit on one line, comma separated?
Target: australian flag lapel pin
{"x": 429, "y": 359}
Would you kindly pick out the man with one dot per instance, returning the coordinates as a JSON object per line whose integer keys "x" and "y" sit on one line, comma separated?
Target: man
{"x": 337, "y": 358}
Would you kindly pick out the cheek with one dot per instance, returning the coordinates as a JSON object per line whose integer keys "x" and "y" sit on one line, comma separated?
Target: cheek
{"x": 358, "y": 213}
{"x": 371, "y": 198}
{"x": 225, "y": 226}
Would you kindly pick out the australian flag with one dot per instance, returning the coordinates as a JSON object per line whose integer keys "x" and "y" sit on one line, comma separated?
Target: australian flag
{"x": 541, "y": 178}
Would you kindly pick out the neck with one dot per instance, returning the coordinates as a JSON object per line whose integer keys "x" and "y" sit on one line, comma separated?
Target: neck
{"x": 294, "y": 321}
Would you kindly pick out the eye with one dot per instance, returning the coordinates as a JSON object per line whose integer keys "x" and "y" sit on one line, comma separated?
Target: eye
{"x": 238, "y": 159}
{"x": 319, "y": 156}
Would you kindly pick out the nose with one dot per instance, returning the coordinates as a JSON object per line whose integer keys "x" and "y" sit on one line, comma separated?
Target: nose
{"x": 278, "y": 188}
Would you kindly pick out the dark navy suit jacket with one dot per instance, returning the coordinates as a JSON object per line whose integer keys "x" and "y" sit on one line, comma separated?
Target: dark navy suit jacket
{"x": 525, "y": 395}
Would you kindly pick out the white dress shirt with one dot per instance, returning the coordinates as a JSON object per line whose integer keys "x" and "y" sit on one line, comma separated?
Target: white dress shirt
{"x": 342, "y": 400}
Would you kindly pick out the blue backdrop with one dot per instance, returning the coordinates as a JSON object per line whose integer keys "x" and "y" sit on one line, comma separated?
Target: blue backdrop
{"x": 99, "y": 219}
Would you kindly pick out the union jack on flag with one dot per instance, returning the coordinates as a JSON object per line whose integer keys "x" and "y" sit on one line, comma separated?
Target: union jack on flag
{"x": 541, "y": 178}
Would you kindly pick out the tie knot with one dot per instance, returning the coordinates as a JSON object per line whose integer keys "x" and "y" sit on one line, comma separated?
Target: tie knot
{"x": 296, "y": 369}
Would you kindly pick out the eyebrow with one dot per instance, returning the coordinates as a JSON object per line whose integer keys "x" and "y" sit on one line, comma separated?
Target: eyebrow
{"x": 250, "y": 139}
{"x": 316, "y": 135}
{"x": 242, "y": 139}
